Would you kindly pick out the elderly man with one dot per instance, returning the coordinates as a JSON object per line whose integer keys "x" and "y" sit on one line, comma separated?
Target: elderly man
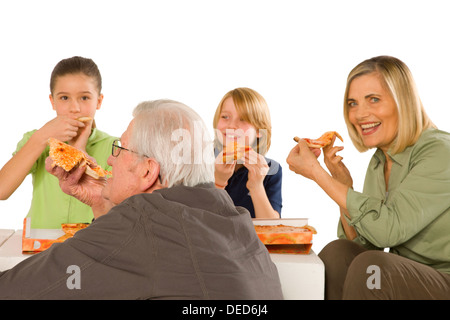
{"x": 162, "y": 230}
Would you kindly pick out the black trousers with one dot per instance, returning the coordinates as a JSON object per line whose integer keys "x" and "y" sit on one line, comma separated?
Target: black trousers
{"x": 355, "y": 273}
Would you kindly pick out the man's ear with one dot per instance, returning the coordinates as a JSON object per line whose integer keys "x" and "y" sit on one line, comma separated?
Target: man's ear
{"x": 149, "y": 174}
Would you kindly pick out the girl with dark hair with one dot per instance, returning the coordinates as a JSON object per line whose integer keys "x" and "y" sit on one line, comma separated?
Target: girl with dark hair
{"x": 75, "y": 95}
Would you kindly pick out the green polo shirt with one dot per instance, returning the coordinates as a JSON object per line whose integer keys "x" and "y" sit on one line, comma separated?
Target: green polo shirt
{"x": 413, "y": 217}
{"x": 50, "y": 206}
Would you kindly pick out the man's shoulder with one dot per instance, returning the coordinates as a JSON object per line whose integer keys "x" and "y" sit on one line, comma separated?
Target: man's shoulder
{"x": 204, "y": 197}
{"x": 125, "y": 213}
{"x": 134, "y": 204}
{"x": 142, "y": 204}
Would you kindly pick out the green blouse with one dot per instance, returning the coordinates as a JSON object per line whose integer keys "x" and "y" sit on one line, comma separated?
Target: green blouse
{"x": 413, "y": 217}
{"x": 50, "y": 206}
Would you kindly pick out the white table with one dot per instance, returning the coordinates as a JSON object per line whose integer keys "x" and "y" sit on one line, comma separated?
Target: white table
{"x": 11, "y": 251}
{"x": 5, "y": 234}
{"x": 302, "y": 276}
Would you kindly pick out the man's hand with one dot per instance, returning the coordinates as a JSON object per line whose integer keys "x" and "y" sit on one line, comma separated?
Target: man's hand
{"x": 81, "y": 186}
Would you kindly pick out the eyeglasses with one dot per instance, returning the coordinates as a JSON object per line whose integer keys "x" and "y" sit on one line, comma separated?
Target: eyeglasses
{"x": 116, "y": 148}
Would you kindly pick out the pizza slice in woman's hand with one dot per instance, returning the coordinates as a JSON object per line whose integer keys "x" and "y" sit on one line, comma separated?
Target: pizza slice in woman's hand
{"x": 321, "y": 142}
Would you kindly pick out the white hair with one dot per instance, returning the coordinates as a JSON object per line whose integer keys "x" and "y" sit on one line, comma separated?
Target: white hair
{"x": 177, "y": 138}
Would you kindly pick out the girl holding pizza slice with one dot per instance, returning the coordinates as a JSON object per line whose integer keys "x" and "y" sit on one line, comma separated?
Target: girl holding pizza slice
{"x": 75, "y": 95}
{"x": 243, "y": 129}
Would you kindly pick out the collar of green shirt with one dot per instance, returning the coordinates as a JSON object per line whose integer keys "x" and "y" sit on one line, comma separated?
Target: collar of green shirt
{"x": 399, "y": 158}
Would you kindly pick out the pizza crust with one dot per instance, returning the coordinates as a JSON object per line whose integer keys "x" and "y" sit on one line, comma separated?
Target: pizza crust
{"x": 68, "y": 157}
{"x": 84, "y": 119}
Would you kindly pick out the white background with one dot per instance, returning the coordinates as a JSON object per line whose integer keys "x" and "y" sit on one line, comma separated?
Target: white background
{"x": 297, "y": 54}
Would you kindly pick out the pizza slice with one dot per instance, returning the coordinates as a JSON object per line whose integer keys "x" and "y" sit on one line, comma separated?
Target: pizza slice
{"x": 68, "y": 157}
{"x": 234, "y": 151}
{"x": 321, "y": 142}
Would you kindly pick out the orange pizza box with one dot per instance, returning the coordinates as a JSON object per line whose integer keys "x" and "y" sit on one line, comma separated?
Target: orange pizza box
{"x": 37, "y": 240}
{"x": 292, "y": 236}
{"x": 294, "y": 222}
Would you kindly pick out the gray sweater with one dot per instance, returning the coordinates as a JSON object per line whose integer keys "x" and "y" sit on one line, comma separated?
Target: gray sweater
{"x": 176, "y": 243}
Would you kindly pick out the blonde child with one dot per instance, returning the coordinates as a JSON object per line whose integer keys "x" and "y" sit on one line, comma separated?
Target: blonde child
{"x": 75, "y": 92}
{"x": 253, "y": 181}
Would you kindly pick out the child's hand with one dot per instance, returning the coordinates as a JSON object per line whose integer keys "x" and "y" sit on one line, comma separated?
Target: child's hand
{"x": 81, "y": 139}
{"x": 223, "y": 171}
{"x": 62, "y": 128}
{"x": 257, "y": 169}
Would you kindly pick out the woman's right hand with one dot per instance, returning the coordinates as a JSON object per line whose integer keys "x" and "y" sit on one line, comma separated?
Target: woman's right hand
{"x": 335, "y": 165}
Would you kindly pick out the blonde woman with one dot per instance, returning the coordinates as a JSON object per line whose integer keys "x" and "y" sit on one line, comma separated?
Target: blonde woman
{"x": 252, "y": 181}
{"x": 405, "y": 203}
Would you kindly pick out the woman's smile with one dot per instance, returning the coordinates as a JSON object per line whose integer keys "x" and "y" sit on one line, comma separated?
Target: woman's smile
{"x": 369, "y": 127}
